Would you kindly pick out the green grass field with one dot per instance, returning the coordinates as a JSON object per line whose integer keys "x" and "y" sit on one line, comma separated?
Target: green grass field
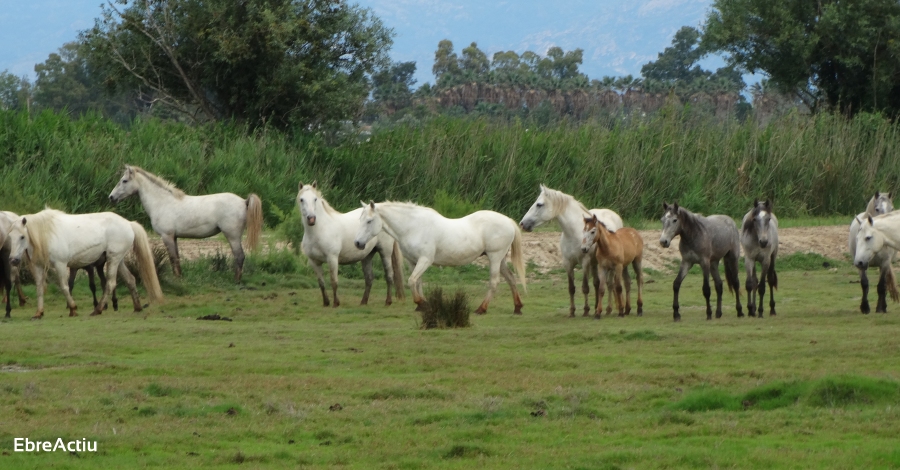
{"x": 816, "y": 386}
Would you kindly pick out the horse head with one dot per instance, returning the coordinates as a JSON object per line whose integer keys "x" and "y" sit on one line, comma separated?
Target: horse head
{"x": 126, "y": 187}
{"x": 307, "y": 201}
{"x": 883, "y": 203}
{"x": 19, "y": 242}
{"x": 761, "y": 218}
{"x": 540, "y": 212}
{"x": 869, "y": 241}
{"x": 589, "y": 234}
{"x": 671, "y": 224}
{"x": 370, "y": 225}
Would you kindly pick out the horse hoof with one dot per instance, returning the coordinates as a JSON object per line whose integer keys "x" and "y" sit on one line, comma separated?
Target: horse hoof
{"x": 38, "y": 317}
{"x": 95, "y": 313}
{"x": 598, "y": 316}
{"x": 772, "y": 313}
{"x": 517, "y": 311}
{"x": 480, "y": 311}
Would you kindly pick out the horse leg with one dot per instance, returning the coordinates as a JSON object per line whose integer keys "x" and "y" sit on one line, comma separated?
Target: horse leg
{"x": 132, "y": 286}
{"x": 617, "y": 282}
{"x": 5, "y": 278}
{"x": 40, "y": 283}
{"x": 864, "y": 283}
{"x": 750, "y": 284}
{"x": 496, "y": 261}
{"x": 612, "y": 289}
{"x": 627, "y": 279}
{"x": 368, "y": 276}
{"x": 881, "y": 288}
{"x": 388, "y": 272}
{"x": 238, "y": 251}
{"x": 704, "y": 265}
{"x": 676, "y": 286}
{"x": 101, "y": 269}
{"x": 772, "y": 278}
{"x": 172, "y": 247}
{"x": 320, "y": 276}
{"x": 570, "y": 274}
{"x": 587, "y": 268}
{"x": 112, "y": 268}
{"x": 71, "y": 281}
{"x": 761, "y": 285}
{"x": 639, "y": 274}
{"x": 333, "y": 268}
{"x": 717, "y": 280}
{"x": 415, "y": 283}
{"x": 17, "y": 280}
{"x": 601, "y": 291}
{"x": 511, "y": 280}
{"x": 61, "y": 273}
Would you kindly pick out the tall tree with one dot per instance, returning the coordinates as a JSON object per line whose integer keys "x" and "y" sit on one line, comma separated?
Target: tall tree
{"x": 392, "y": 86}
{"x": 284, "y": 62}
{"x": 15, "y": 92}
{"x": 446, "y": 63}
{"x": 841, "y": 53}
{"x": 679, "y": 61}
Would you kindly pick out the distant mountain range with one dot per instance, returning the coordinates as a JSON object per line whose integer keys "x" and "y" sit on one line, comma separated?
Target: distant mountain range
{"x": 617, "y": 37}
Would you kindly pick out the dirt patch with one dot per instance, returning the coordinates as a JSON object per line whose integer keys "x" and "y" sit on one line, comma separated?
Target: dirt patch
{"x": 542, "y": 248}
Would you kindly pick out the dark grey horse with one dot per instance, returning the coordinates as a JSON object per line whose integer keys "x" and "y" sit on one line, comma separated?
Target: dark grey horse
{"x": 759, "y": 237}
{"x": 881, "y": 203}
{"x": 704, "y": 241}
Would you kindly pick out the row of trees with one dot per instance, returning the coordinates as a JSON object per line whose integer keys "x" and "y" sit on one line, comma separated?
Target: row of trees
{"x": 301, "y": 64}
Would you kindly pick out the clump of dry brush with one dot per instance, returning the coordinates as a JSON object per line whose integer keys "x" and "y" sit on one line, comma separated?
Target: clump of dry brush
{"x": 441, "y": 311}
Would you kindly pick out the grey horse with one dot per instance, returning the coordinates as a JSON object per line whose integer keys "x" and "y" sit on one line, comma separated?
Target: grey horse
{"x": 704, "y": 241}
{"x": 881, "y": 203}
{"x": 759, "y": 237}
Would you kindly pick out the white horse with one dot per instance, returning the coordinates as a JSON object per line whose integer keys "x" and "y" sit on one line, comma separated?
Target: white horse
{"x": 570, "y": 213}
{"x": 5, "y": 266}
{"x": 54, "y": 238}
{"x": 759, "y": 238}
{"x": 174, "y": 214}
{"x": 328, "y": 238}
{"x": 881, "y": 203}
{"x": 875, "y": 234}
{"x": 15, "y": 279}
{"x": 427, "y": 238}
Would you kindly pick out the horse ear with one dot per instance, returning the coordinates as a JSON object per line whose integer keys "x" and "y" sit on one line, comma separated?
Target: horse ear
{"x": 675, "y": 206}
{"x": 23, "y": 221}
{"x": 372, "y": 204}
{"x": 755, "y": 202}
{"x": 877, "y": 194}
{"x": 889, "y": 194}
{"x": 872, "y": 223}
{"x": 594, "y": 218}
{"x": 665, "y": 206}
{"x": 587, "y": 220}
{"x": 858, "y": 221}
{"x": 768, "y": 204}
{"x": 363, "y": 203}
{"x": 315, "y": 184}
{"x": 299, "y": 186}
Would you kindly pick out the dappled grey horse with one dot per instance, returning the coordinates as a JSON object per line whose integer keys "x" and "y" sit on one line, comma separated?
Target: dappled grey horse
{"x": 881, "y": 203}
{"x": 704, "y": 241}
{"x": 759, "y": 237}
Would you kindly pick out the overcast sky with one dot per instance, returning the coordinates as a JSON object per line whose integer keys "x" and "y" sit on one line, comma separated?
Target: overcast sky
{"x": 617, "y": 37}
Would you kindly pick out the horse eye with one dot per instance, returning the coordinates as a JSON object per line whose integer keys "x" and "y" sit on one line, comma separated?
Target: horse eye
{"x": 124, "y": 181}
{"x": 368, "y": 221}
{"x": 868, "y": 238}
{"x": 540, "y": 204}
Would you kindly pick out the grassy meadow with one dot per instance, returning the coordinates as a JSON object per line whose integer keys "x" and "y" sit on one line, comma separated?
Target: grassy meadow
{"x": 291, "y": 384}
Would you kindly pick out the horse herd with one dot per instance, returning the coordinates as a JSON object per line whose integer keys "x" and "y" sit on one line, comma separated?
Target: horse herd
{"x": 594, "y": 239}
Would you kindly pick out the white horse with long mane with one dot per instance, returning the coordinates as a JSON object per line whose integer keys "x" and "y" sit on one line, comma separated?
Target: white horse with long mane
{"x": 174, "y": 214}
{"x": 880, "y": 203}
{"x": 427, "y": 238}
{"x": 875, "y": 234}
{"x": 15, "y": 279}
{"x": 328, "y": 237}
{"x": 63, "y": 241}
{"x": 570, "y": 214}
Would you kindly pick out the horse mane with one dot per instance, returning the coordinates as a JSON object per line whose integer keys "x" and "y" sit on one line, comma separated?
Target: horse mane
{"x": 561, "y": 200}
{"x": 691, "y": 225}
{"x": 407, "y": 205}
{"x": 41, "y": 227}
{"x": 159, "y": 181}
{"x": 748, "y": 226}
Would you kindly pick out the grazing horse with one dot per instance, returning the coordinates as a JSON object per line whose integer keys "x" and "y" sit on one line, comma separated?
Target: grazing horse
{"x": 569, "y": 213}
{"x": 881, "y": 203}
{"x": 759, "y": 237}
{"x": 614, "y": 252}
{"x": 54, "y": 238}
{"x": 174, "y": 214}
{"x": 5, "y": 266}
{"x": 427, "y": 238}
{"x": 704, "y": 241}
{"x": 875, "y": 234}
{"x": 328, "y": 238}
{"x": 14, "y": 270}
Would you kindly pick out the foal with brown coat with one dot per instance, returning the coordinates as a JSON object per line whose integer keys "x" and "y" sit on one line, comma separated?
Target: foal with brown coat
{"x": 614, "y": 251}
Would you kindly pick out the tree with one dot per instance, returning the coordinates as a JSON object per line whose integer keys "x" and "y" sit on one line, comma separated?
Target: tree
{"x": 843, "y": 54}
{"x": 679, "y": 61}
{"x": 15, "y": 92}
{"x": 446, "y": 64}
{"x": 392, "y": 86}
{"x": 474, "y": 61}
{"x": 283, "y": 62}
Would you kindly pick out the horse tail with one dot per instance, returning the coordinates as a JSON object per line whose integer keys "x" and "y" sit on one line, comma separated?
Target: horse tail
{"x": 254, "y": 221}
{"x": 397, "y": 265}
{"x": 516, "y": 256}
{"x": 891, "y": 281}
{"x": 731, "y": 274}
{"x": 773, "y": 276}
{"x": 145, "y": 263}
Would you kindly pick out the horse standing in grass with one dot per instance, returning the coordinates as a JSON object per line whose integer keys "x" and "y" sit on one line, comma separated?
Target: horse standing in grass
{"x": 53, "y": 238}
{"x": 174, "y": 214}
{"x": 5, "y": 266}
{"x": 875, "y": 234}
{"x": 569, "y": 213}
{"x": 328, "y": 238}
{"x": 704, "y": 241}
{"x": 14, "y": 276}
{"x": 427, "y": 238}
{"x": 614, "y": 252}
{"x": 881, "y": 203}
{"x": 759, "y": 237}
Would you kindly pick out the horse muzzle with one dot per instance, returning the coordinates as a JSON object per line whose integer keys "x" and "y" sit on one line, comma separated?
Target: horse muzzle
{"x": 763, "y": 243}
{"x": 585, "y": 250}
{"x": 526, "y": 227}
{"x": 360, "y": 245}
{"x": 15, "y": 261}
{"x": 113, "y": 199}
{"x": 862, "y": 265}
{"x": 311, "y": 220}
{"x": 664, "y": 243}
